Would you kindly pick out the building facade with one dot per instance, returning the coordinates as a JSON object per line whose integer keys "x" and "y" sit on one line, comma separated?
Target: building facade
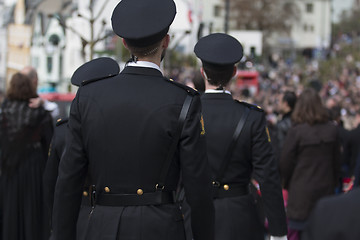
{"x": 313, "y": 30}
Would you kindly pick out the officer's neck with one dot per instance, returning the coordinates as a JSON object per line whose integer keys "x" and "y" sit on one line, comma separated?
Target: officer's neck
{"x": 208, "y": 86}
{"x": 154, "y": 59}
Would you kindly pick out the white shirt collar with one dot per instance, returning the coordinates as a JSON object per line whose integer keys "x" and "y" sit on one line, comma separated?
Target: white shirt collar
{"x": 144, "y": 64}
{"x": 217, "y": 91}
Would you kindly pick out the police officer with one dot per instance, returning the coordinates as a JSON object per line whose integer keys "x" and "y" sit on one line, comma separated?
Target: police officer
{"x": 99, "y": 68}
{"x": 238, "y": 146}
{"x": 132, "y": 134}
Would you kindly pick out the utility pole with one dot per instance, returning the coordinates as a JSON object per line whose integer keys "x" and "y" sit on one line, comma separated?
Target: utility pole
{"x": 227, "y": 12}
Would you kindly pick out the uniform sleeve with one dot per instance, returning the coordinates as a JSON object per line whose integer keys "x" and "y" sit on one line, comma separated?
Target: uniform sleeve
{"x": 46, "y": 133}
{"x": 196, "y": 174}
{"x": 266, "y": 173}
{"x": 50, "y": 174}
{"x": 72, "y": 172}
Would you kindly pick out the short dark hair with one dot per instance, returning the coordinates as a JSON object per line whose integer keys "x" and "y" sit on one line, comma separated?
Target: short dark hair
{"x": 290, "y": 98}
{"x": 309, "y": 109}
{"x": 218, "y": 77}
{"x": 21, "y": 88}
{"x": 143, "y": 51}
{"x": 198, "y": 82}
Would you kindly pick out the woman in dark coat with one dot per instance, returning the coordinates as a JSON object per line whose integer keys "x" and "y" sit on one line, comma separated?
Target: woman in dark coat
{"x": 25, "y": 136}
{"x": 310, "y": 158}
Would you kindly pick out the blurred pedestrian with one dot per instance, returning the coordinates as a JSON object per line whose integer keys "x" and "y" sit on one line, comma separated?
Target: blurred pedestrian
{"x": 197, "y": 82}
{"x": 134, "y": 134}
{"x": 238, "y": 147}
{"x": 310, "y": 159}
{"x": 35, "y": 102}
{"x": 286, "y": 108}
{"x": 334, "y": 218}
{"x": 351, "y": 148}
{"x": 25, "y": 137}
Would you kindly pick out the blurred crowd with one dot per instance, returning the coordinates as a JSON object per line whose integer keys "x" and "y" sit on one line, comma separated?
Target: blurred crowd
{"x": 25, "y": 118}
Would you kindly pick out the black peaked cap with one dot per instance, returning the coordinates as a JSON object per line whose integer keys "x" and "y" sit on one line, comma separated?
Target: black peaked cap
{"x": 219, "y": 50}
{"x": 143, "y": 22}
{"x": 95, "y": 69}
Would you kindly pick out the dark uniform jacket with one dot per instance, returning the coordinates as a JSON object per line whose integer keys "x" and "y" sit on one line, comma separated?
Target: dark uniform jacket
{"x": 310, "y": 166}
{"x": 335, "y": 218}
{"x": 51, "y": 173}
{"x": 236, "y": 217}
{"x": 120, "y": 130}
{"x": 51, "y": 170}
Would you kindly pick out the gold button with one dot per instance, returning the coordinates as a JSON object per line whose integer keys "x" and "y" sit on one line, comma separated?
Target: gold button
{"x": 107, "y": 189}
{"x": 226, "y": 187}
{"x": 85, "y": 194}
{"x": 140, "y": 192}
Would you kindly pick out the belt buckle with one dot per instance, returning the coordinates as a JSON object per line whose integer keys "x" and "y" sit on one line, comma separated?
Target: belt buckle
{"x": 216, "y": 184}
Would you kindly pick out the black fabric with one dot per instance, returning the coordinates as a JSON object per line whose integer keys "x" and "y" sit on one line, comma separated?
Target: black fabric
{"x": 351, "y": 149}
{"x": 170, "y": 155}
{"x": 335, "y": 218}
{"x": 52, "y": 165}
{"x": 143, "y": 22}
{"x": 234, "y": 190}
{"x": 237, "y": 217}
{"x": 120, "y": 131}
{"x": 225, "y": 163}
{"x": 219, "y": 50}
{"x": 24, "y": 148}
{"x": 95, "y": 69}
{"x": 152, "y": 198}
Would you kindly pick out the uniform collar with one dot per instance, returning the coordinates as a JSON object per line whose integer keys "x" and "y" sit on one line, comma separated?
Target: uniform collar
{"x": 217, "y": 91}
{"x": 217, "y": 95}
{"x": 142, "y": 71}
{"x": 144, "y": 64}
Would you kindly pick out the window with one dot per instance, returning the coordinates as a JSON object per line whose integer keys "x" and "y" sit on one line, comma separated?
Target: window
{"x": 49, "y": 61}
{"x": 305, "y": 27}
{"x": 309, "y": 8}
{"x": 217, "y": 11}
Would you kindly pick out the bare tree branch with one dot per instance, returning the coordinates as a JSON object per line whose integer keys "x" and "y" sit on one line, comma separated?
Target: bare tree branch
{"x": 101, "y": 10}
{"x": 103, "y": 38}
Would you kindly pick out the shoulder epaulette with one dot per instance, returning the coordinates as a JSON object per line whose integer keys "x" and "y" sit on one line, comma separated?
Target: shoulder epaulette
{"x": 190, "y": 90}
{"x": 96, "y": 79}
{"x": 251, "y": 106}
{"x": 61, "y": 121}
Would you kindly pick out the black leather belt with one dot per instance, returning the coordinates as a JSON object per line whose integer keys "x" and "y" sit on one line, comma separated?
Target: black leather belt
{"x": 152, "y": 198}
{"x": 230, "y": 190}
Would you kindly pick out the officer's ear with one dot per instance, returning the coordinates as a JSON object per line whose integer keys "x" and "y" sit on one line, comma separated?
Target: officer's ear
{"x": 203, "y": 74}
{"x": 234, "y": 71}
{"x": 125, "y": 44}
{"x": 165, "y": 42}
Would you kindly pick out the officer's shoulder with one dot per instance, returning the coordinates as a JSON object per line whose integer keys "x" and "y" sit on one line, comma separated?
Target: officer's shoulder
{"x": 250, "y": 106}
{"x": 87, "y": 82}
{"x": 61, "y": 121}
{"x": 189, "y": 90}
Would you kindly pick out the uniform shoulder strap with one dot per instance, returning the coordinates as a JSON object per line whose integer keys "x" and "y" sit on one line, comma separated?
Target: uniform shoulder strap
{"x": 170, "y": 155}
{"x": 190, "y": 90}
{"x": 230, "y": 150}
{"x": 61, "y": 121}
{"x": 251, "y": 106}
